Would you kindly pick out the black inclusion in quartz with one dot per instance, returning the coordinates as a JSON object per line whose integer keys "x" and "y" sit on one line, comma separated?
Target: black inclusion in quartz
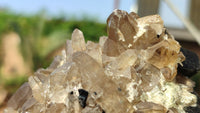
{"x": 82, "y": 97}
{"x": 158, "y": 36}
{"x": 191, "y": 64}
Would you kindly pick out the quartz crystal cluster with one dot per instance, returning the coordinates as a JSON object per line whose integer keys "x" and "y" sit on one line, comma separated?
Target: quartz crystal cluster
{"x": 133, "y": 70}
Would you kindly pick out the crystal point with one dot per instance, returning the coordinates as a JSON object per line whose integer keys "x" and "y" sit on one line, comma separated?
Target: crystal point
{"x": 78, "y": 41}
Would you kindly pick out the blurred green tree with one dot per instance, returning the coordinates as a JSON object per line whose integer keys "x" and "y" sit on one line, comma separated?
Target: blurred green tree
{"x": 40, "y": 35}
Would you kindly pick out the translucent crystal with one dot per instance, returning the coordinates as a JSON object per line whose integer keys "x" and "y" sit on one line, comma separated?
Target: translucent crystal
{"x": 148, "y": 107}
{"x": 95, "y": 51}
{"x": 20, "y": 96}
{"x": 78, "y": 41}
{"x": 133, "y": 70}
{"x": 102, "y": 41}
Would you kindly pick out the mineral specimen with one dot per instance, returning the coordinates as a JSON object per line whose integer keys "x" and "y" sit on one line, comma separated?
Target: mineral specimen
{"x": 133, "y": 70}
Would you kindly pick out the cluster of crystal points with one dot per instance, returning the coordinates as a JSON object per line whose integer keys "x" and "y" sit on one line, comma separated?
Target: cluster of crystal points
{"x": 133, "y": 70}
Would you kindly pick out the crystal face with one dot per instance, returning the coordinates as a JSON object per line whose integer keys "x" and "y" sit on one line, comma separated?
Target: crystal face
{"x": 133, "y": 70}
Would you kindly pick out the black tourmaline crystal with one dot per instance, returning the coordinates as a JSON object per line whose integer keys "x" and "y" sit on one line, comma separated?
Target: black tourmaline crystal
{"x": 191, "y": 64}
{"x": 82, "y": 97}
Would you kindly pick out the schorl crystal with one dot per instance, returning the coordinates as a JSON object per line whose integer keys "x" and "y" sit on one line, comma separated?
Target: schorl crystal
{"x": 82, "y": 97}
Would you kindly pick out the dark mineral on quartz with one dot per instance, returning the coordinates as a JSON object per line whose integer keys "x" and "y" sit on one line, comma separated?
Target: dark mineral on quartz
{"x": 82, "y": 97}
{"x": 191, "y": 65}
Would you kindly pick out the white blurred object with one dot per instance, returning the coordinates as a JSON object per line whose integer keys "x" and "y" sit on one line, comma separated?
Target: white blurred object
{"x": 134, "y": 8}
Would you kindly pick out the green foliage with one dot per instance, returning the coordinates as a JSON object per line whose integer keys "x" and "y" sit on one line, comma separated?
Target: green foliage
{"x": 40, "y": 35}
{"x": 91, "y": 29}
{"x": 11, "y": 85}
{"x": 17, "y": 81}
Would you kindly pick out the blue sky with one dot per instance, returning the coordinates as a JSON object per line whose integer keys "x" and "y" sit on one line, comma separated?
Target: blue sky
{"x": 99, "y": 9}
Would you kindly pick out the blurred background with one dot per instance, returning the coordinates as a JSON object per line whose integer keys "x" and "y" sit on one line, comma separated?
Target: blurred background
{"x": 33, "y": 32}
